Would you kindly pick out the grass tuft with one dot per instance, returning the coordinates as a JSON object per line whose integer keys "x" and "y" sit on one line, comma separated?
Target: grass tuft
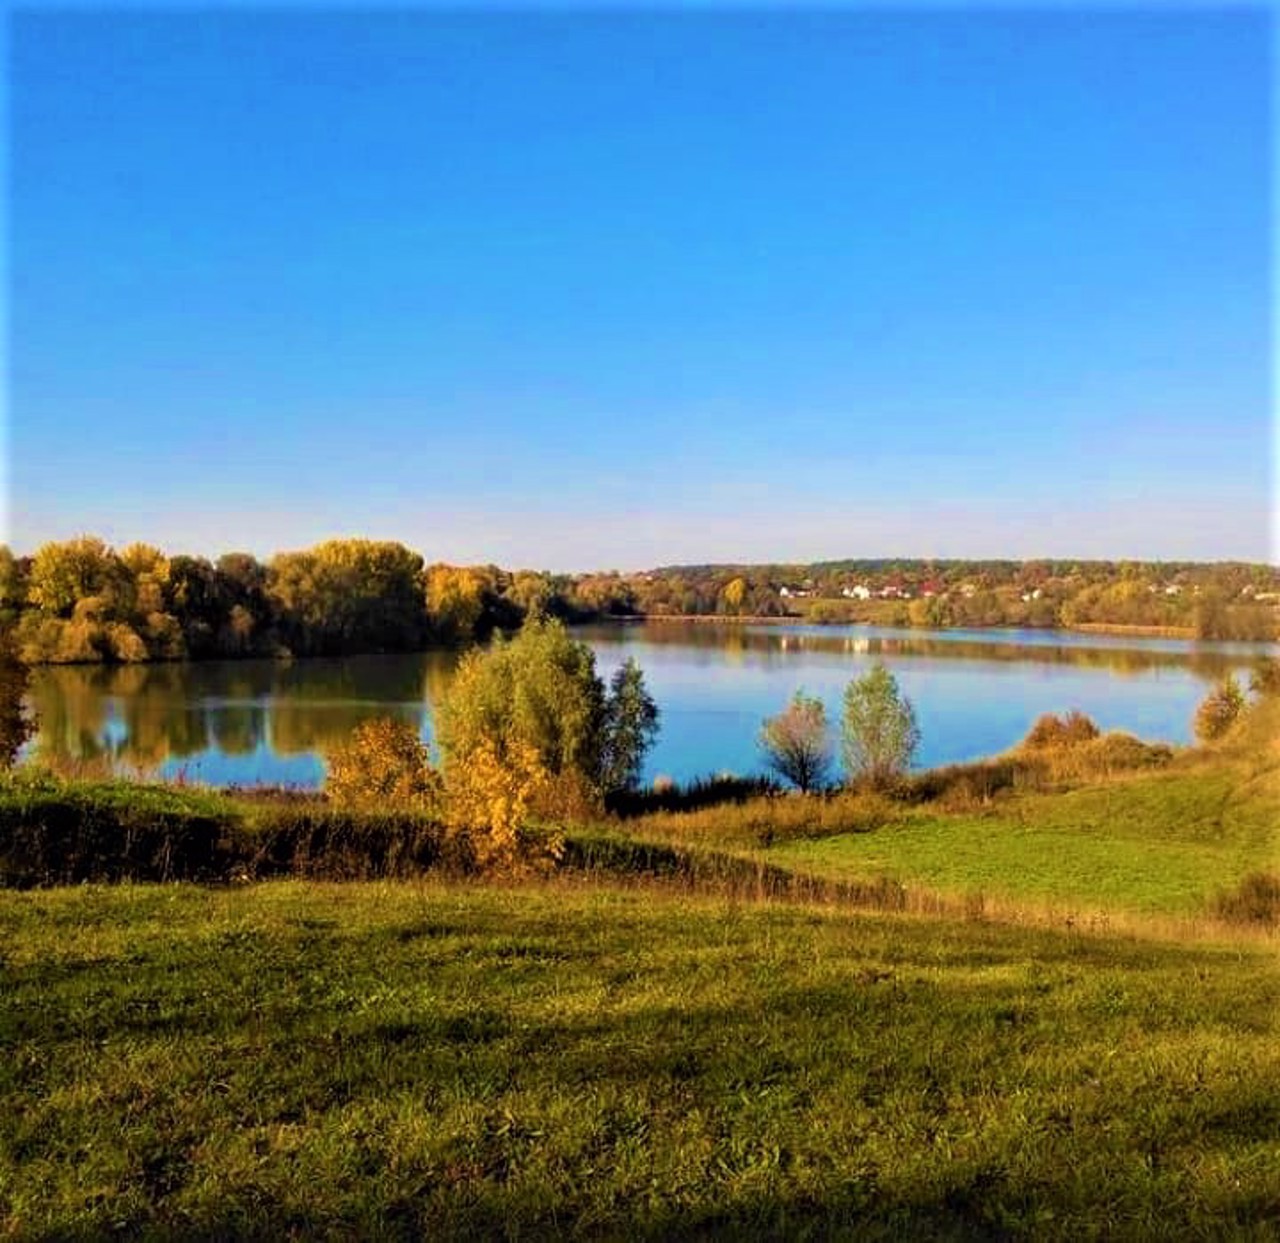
{"x": 1256, "y": 900}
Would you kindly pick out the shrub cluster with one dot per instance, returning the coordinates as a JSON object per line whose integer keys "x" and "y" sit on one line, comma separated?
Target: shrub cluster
{"x": 527, "y": 731}
{"x": 55, "y": 833}
{"x": 1036, "y": 767}
{"x": 1219, "y": 710}
{"x": 769, "y": 820}
{"x": 965, "y": 784}
{"x": 51, "y": 834}
{"x": 1068, "y": 730}
{"x": 1264, "y": 679}
{"x": 1255, "y": 901}
{"x": 384, "y": 764}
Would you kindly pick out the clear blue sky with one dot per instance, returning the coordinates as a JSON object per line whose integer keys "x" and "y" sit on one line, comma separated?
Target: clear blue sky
{"x": 616, "y": 289}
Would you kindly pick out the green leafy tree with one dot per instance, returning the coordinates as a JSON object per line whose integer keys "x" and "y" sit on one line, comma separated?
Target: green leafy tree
{"x": 539, "y": 689}
{"x": 455, "y": 602}
{"x": 13, "y": 584}
{"x": 797, "y": 743}
{"x": 196, "y": 602}
{"x": 733, "y": 595}
{"x": 534, "y": 594}
{"x": 879, "y": 734}
{"x": 350, "y": 595}
{"x": 242, "y": 586}
{"x": 603, "y": 595}
{"x": 630, "y": 726}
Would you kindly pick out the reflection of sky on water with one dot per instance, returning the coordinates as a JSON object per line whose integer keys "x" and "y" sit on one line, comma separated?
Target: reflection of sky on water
{"x": 967, "y": 708}
{"x": 976, "y": 692}
{"x": 261, "y": 766}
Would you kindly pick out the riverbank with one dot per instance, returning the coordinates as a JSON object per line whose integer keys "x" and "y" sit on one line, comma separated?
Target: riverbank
{"x": 1111, "y": 824}
{"x": 1115, "y": 629}
{"x": 1137, "y": 632}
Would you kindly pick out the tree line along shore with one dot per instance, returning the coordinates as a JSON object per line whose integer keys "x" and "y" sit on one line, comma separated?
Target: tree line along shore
{"x": 81, "y": 600}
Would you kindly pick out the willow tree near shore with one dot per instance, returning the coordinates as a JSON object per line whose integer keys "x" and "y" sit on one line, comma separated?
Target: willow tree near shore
{"x": 631, "y": 724}
{"x": 539, "y": 692}
{"x": 880, "y": 734}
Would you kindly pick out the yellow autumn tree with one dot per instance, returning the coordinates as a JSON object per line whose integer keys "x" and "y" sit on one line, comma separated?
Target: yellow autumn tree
{"x": 383, "y": 766}
{"x": 733, "y": 595}
{"x": 488, "y": 796}
{"x": 455, "y": 601}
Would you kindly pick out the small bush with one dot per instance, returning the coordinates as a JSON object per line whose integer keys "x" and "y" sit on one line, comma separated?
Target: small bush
{"x": 961, "y": 785}
{"x": 382, "y": 767}
{"x": 488, "y": 799}
{"x": 1255, "y": 901}
{"x": 1117, "y": 751}
{"x": 1112, "y": 753}
{"x": 1219, "y": 710}
{"x": 797, "y": 743}
{"x": 1068, "y": 730}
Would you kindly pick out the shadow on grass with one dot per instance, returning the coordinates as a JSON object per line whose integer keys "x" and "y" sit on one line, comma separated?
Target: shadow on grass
{"x": 908, "y": 1092}
{"x": 695, "y": 795}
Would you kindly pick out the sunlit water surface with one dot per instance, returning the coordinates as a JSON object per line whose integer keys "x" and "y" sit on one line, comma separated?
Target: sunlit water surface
{"x": 975, "y": 693}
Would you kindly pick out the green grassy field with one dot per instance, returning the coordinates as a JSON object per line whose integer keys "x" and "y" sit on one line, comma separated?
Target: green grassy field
{"x": 648, "y": 1042}
{"x": 1161, "y": 844}
{"x": 429, "y": 1059}
{"x": 1150, "y": 842}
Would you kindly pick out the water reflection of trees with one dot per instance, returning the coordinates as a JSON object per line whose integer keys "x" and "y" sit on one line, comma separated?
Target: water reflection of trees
{"x": 239, "y": 728}
{"x": 142, "y": 715}
{"x": 1207, "y": 663}
{"x": 72, "y": 715}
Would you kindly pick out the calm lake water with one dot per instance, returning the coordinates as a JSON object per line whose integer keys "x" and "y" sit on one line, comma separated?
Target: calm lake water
{"x": 975, "y": 692}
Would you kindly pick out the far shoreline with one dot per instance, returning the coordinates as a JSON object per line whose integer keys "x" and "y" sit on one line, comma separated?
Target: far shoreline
{"x": 1104, "y": 628}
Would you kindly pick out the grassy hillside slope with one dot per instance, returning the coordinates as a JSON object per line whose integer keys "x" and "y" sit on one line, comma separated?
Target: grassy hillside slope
{"x": 1160, "y": 841}
{"x": 419, "y": 1059}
